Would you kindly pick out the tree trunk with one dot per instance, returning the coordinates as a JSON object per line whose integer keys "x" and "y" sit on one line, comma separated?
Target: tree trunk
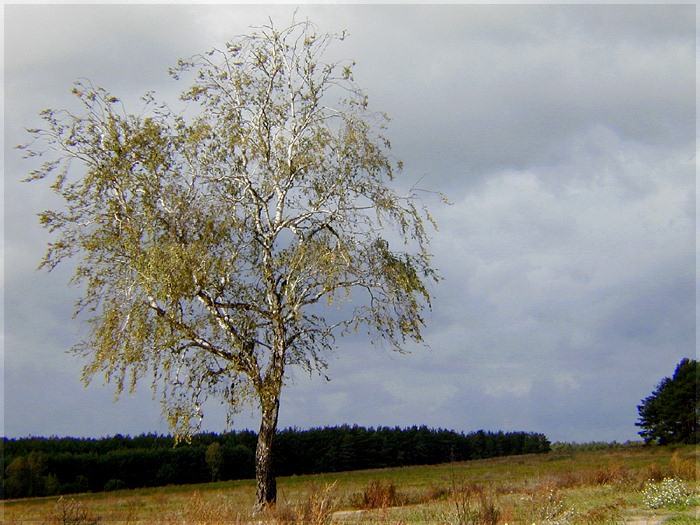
{"x": 264, "y": 473}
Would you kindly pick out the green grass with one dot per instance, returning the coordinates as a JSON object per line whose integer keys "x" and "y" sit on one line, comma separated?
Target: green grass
{"x": 588, "y": 487}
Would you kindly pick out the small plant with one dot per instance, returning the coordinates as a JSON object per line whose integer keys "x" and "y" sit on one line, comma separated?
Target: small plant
{"x": 315, "y": 509}
{"x": 11, "y": 519}
{"x": 436, "y": 493}
{"x": 545, "y": 506}
{"x": 550, "y": 506}
{"x": 655, "y": 472}
{"x": 610, "y": 474}
{"x": 670, "y": 491}
{"x": 318, "y": 507}
{"x": 461, "y": 497}
{"x": 568, "y": 479}
{"x": 198, "y": 510}
{"x": 684, "y": 468}
{"x": 607, "y": 514}
{"x": 380, "y": 495}
{"x": 473, "y": 505}
{"x": 72, "y": 512}
{"x": 489, "y": 513}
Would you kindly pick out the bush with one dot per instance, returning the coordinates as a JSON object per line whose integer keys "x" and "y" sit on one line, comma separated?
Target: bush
{"x": 72, "y": 512}
{"x": 684, "y": 468}
{"x": 318, "y": 507}
{"x": 610, "y": 474}
{"x": 545, "y": 505}
{"x": 473, "y": 504}
{"x": 489, "y": 513}
{"x": 670, "y": 491}
{"x": 315, "y": 509}
{"x": 656, "y": 472}
{"x": 114, "y": 484}
{"x": 209, "y": 511}
{"x": 379, "y": 495}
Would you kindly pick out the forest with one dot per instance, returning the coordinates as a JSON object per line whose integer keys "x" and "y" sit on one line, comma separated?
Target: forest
{"x": 37, "y": 466}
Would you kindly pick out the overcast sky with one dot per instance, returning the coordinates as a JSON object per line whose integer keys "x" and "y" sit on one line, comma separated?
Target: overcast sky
{"x": 564, "y": 135}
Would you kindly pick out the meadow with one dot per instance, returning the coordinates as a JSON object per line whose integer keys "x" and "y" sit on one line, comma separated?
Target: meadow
{"x": 571, "y": 485}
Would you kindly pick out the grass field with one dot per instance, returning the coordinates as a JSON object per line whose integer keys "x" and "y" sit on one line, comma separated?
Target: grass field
{"x": 571, "y": 485}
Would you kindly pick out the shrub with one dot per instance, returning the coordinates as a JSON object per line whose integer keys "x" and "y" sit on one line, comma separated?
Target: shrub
{"x": 473, "y": 504}
{"x": 318, "y": 507}
{"x": 200, "y": 511}
{"x": 489, "y": 513}
{"x": 545, "y": 506}
{"x": 436, "y": 493}
{"x": 461, "y": 496}
{"x": 656, "y": 472}
{"x": 684, "y": 468}
{"x": 610, "y": 474}
{"x": 548, "y": 505}
{"x": 379, "y": 495}
{"x": 114, "y": 484}
{"x": 604, "y": 514}
{"x": 670, "y": 491}
{"x": 567, "y": 480}
{"x": 71, "y": 512}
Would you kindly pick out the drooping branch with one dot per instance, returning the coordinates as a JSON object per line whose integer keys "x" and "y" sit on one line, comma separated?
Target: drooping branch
{"x": 215, "y": 249}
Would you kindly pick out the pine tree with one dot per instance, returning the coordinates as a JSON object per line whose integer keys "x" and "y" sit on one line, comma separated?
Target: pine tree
{"x": 670, "y": 414}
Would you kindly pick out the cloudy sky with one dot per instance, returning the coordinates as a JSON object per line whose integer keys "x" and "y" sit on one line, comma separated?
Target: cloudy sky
{"x": 564, "y": 135}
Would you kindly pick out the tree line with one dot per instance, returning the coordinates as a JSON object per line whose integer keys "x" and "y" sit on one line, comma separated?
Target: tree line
{"x": 46, "y": 466}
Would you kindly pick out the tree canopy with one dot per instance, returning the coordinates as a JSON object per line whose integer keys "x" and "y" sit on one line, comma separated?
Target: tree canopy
{"x": 222, "y": 242}
{"x": 670, "y": 414}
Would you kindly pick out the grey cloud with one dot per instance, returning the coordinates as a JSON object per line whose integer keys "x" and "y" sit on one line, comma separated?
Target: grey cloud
{"x": 482, "y": 101}
{"x": 106, "y": 43}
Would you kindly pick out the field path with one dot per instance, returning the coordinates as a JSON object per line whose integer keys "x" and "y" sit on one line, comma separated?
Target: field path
{"x": 645, "y": 520}
{"x": 345, "y": 515}
{"x": 658, "y": 520}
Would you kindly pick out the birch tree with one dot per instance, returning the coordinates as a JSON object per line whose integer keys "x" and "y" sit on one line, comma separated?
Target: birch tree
{"x": 222, "y": 244}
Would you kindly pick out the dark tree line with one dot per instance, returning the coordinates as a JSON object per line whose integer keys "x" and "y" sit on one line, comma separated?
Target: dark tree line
{"x": 355, "y": 448}
{"x": 46, "y": 466}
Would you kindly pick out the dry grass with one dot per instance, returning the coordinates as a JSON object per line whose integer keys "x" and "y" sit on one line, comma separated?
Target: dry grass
{"x": 685, "y": 467}
{"x": 599, "y": 488}
{"x": 316, "y": 508}
{"x": 204, "y": 511}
